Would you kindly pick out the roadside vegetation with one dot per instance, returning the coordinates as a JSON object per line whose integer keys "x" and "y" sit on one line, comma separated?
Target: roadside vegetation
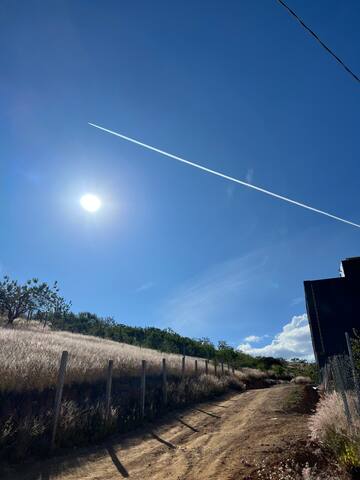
{"x": 303, "y": 371}
{"x": 29, "y": 363}
{"x": 29, "y": 359}
{"x": 330, "y": 427}
{"x": 333, "y": 429}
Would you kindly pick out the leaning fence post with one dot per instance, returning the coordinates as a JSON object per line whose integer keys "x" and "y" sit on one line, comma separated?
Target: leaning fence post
{"x": 164, "y": 382}
{"x": 142, "y": 389}
{"x": 108, "y": 390}
{"x": 215, "y": 367}
{"x": 206, "y": 366}
{"x": 355, "y": 377}
{"x": 233, "y": 369}
{"x": 58, "y": 395}
{"x": 183, "y": 366}
{"x": 222, "y": 368}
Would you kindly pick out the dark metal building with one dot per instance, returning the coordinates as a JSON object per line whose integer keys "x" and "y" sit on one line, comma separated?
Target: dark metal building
{"x": 333, "y": 308}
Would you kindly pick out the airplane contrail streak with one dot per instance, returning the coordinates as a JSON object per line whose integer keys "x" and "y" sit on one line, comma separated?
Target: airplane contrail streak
{"x": 222, "y": 175}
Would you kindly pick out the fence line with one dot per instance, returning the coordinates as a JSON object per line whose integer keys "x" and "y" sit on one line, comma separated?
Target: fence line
{"x": 341, "y": 374}
{"x": 108, "y": 388}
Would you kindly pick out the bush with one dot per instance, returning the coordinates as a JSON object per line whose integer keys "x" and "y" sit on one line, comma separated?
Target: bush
{"x": 302, "y": 380}
{"x": 330, "y": 427}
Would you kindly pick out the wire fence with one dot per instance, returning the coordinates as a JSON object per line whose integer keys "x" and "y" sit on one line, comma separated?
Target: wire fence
{"x": 341, "y": 374}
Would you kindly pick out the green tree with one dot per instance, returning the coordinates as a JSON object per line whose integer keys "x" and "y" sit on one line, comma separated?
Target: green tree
{"x": 33, "y": 297}
{"x": 225, "y": 352}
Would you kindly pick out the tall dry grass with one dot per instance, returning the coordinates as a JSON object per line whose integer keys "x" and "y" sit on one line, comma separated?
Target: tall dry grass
{"x": 330, "y": 426}
{"x": 29, "y": 359}
{"x": 29, "y": 362}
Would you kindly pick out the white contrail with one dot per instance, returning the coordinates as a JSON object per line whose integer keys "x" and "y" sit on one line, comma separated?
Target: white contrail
{"x": 222, "y": 175}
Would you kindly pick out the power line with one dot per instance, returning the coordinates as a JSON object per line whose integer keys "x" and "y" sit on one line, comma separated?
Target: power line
{"x": 355, "y": 77}
{"x": 222, "y": 175}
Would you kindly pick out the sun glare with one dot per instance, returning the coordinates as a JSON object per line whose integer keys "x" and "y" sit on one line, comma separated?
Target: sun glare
{"x": 90, "y": 202}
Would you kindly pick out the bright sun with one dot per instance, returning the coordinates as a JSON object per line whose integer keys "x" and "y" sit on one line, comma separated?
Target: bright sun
{"x": 90, "y": 202}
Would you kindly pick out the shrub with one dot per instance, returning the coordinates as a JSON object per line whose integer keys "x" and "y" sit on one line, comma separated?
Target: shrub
{"x": 301, "y": 380}
{"x": 330, "y": 427}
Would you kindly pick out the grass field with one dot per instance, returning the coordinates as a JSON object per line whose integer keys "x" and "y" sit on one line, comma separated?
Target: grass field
{"x": 29, "y": 359}
{"x": 29, "y": 363}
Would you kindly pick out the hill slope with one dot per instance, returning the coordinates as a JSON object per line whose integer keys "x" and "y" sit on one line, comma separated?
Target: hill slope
{"x": 29, "y": 359}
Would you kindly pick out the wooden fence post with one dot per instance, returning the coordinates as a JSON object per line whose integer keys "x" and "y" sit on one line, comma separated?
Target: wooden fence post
{"x": 222, "y": 368}
{"x": 206, "y": 366}
{"x": 164, "y": 381}
{"x": 215, "y": 367}
{"x": 142, "y": 389}
{"x": 58, "y": 395}
{"x": 183, "y": 366}
{"x": 233, "y": 370}
{"x": 196, "y": 367}
{"x": 108, "y": 390}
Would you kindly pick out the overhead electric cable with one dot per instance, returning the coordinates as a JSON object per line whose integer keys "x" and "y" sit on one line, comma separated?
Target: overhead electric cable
{"x": 222, "y": 175}
{"x": 355, "y": 77}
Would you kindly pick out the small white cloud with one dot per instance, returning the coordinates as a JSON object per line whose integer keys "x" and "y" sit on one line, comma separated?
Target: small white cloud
{"x": 254, "y": 338}
{"x": 144, "y": 287}
{"x": 293, "y": 341}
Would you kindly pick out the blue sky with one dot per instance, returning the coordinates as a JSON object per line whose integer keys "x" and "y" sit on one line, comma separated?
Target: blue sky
{"x": 236, "y": 86}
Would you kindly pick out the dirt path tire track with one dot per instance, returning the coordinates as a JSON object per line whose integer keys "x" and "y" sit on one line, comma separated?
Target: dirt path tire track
{"x": 247, "y": 429}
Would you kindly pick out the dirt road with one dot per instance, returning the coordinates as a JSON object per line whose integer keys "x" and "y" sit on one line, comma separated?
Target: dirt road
{"x": 225, "y": 439}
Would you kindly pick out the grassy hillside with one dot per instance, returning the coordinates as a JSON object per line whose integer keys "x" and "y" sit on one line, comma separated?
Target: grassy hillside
{"x": 29, "y": 359}
{"x": 29, "y": 362}
{"x": 165, "y": 340}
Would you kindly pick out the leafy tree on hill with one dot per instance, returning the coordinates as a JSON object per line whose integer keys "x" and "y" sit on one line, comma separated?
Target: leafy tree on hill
{"x": 225, "y": 353}
{"x": 31, "y": 298}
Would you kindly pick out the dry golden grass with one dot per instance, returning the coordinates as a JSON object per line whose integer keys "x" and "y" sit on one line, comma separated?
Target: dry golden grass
{"x": 331, "y": 428}
{"x": 29, "y": 359}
